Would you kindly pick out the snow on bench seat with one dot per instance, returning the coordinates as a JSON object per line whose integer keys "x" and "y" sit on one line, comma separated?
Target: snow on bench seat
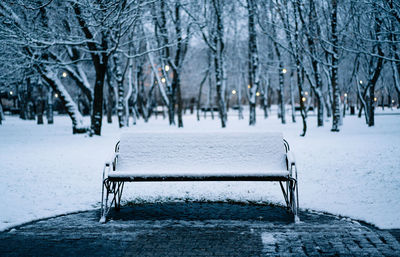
{"x": 200, "y": 156}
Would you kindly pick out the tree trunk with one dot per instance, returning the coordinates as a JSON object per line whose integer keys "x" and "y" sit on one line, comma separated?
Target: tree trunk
{"x": 328, "y": 106}
{"x": 281, "y": 100}
{"x": 135, "y": 93}
{"x": 22, "y": 96}
{"x": 376, "y": 73}
{"x": 253, "y": 61}
{"x": 70, "y": 106}
{"x": 371, "y": 107}
{"x": 179, "y": 96}
{"x": 1, "y": 113}
{"x": 179, "y": 57}
{"x": 299, "y": 72}
{"x": 30, "y": 105}
{"x": 334, "y": 65}
{"x": 362, "y": 97}
{"x": 320, "y": 106}
{"x": 220, "y": 85}
{"x": 121, "y": 91}
{"x": 39, "y": 111}
{"x": 110, "y": 97}
{"x": 281, "y": 94}
{"x": 265, "y": 98}
{"x": 99, "y": 54}
{"x": 292, "y": 97}
{"x": 312, "y": 33}
{"x": 200, "y": 93}
{"x": 49, "y": 110}
{"x": 210, "y": 100}
{"x": 39, "y": 105}
{"x": 302, "y": 107}
{"x": 219, "y": 61}
{"x": 129, "y": 93}
{"x": 97, "y": 114}
{"x": 398, "y": 100}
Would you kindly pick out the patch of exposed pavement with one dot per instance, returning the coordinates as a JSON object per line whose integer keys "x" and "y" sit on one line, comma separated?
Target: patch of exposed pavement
{"x": 198, "y": 229}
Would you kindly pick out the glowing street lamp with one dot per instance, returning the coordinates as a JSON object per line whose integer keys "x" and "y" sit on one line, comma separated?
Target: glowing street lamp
{"x": 257, "y": 93}
{"x": 248, "y": 86}
{"x": 166, "y": 68}
{"x": 284, "y": 70}
{"x": 361, "y": 82}
{"x": 234, "y": 92}
{"x": 392, "y": 101}
{"x": 345, "y": 94}
{"x": 306, "y": 93}
{"x": 56, "y": 95}
{"x": 64, "y": 74}
{"x": 163, "y": 80}
{"x": 375, "y": 99}
{"x": 303, "y": 99}
{"x": 11, "y": 92}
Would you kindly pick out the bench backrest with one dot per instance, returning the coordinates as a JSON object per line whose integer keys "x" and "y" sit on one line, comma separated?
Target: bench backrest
{"x": 234, "y": 152}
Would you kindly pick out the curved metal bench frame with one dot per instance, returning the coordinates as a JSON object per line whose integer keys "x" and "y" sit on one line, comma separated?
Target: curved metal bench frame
{"x": 114, "y": 186}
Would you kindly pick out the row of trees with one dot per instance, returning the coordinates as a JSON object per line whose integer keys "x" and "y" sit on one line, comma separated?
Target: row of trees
{"x": 137, "y": 54}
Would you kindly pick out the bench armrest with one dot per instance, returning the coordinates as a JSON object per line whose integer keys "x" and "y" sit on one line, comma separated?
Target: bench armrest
{"x": 112, "y": 160}
{"x": 290, "y": 158}
{"x": 106, "y": 170}
{"x": 291, "y": 162}
{"x": 110, "y": 165}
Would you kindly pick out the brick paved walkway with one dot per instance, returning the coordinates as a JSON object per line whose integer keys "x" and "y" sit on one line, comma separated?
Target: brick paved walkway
{"x": 198, "y": 229}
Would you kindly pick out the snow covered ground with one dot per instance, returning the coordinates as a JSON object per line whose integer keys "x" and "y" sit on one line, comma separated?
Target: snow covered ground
{"x": 45, "y": 170}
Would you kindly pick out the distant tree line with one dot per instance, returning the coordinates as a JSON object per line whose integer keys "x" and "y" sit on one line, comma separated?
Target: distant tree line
{"x": 129, "y": 57}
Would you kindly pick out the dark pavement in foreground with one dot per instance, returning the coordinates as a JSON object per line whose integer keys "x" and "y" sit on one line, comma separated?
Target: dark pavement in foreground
{"x": 198, "y": 229}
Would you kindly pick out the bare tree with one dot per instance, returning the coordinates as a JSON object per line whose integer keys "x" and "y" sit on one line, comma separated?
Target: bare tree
{"x": 254, "y": 73}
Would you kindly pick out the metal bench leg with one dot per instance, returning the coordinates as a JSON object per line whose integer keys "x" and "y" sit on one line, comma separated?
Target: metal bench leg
{"x": 118, "y": 188}
{"x": 104, "y": 201}
{"x": 285, "y": 195}
{"x": 293, "y": 199}
{"x": 114, "y": 188}
{"x": 104, "y": 190}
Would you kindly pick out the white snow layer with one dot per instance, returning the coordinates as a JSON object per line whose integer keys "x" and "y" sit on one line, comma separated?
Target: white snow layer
{"x": 45, "y": 170}
{"x": 200, "y": 154}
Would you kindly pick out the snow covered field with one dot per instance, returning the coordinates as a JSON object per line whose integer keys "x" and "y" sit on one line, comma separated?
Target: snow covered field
{"x": 45, "y": 170}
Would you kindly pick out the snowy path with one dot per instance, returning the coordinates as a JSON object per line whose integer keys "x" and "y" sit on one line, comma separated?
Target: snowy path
{"x": 45, "y": 170}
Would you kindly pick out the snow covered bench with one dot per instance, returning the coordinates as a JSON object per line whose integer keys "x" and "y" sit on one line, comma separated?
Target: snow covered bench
{"x": 219, "y": 156}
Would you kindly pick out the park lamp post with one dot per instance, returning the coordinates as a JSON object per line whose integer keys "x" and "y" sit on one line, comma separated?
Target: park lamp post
{"x": 234, "y": 92}
{"x": 284, "y": 71}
